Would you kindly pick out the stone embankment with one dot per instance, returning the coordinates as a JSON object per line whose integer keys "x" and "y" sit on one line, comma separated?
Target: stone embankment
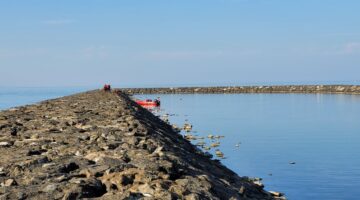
{"x": 102, "y": 145}
{"x": 336, "y": 89}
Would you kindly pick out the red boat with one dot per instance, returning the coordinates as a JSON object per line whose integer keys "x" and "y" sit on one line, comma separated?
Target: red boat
{"x": 148, "y": 102}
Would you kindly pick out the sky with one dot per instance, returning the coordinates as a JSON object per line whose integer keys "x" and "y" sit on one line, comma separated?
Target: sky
{"x": 150, "y": 43}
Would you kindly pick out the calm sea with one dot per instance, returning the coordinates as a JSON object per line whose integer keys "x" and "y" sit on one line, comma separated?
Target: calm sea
{"x": 264, "y": 133}
{"x": 18, "y": 96}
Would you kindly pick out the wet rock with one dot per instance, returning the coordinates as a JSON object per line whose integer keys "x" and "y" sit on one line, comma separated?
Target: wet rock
{"x": 219, "y": 154}
{"x": 276, "y": 194}
{"x": 187, "y": 127}
{"x": 216, "y": 144}
{"x": 259, "y": 183}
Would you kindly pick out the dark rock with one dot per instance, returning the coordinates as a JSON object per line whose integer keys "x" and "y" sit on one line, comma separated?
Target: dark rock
{"x": 67, "y": 168}
{"x": 13, "y": 131}
{"x": 54, "y": 130}
{"x": 35, "y": 152}
{"x": 88, "y": 188}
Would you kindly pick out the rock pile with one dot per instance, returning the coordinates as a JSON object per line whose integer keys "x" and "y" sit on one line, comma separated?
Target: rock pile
{"x": 102, "y": 145}
{"x": 337, "y": 89}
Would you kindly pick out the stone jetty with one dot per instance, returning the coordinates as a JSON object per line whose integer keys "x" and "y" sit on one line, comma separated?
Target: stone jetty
{"x": 331, "y": 89}
{"x": 102, "y": 145}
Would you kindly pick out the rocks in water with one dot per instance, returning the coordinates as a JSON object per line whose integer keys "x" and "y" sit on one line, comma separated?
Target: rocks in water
{"x": 215, "y": 144}
{"x": 219, "y": 154}
{"x": 207, "y": 148}
{"x": 190, "y": 137}
{"x": 276, "y": 194}
{"x": 201, "y": 143}
{"x": 187, "y": 127}
{"x": 218, "y": 136}
{"x": 176, "y": 128}
{"x": 259, "y": 183}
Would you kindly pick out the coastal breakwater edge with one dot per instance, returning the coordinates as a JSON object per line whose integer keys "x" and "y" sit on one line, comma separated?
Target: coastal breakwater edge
{"x": 322, "y": 89}
{"x": 102, "y": 145}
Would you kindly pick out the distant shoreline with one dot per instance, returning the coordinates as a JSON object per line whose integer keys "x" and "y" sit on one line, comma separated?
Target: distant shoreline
{"x": 322, "y": 89}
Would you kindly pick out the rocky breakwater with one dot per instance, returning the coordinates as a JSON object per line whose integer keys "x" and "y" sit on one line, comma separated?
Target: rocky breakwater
{"x": 102, "y": 145}
{"x": 336, "y": 89}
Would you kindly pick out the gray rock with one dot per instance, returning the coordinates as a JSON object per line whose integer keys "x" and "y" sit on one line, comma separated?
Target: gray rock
{"x": 6, "y": 144}
{"x": 50, "y": 188}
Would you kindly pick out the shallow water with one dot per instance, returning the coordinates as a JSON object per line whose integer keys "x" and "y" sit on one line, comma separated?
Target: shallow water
{"x": 320, "y": 133}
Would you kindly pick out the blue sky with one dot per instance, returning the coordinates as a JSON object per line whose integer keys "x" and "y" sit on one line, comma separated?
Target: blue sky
{"x": 178, "y": 42}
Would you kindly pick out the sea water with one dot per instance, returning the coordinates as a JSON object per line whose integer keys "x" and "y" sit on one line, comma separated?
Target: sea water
{"x": 19, "y": 96}
{"x": 304, "y": 145}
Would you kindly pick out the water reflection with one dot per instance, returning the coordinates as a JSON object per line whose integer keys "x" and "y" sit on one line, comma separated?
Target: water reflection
{"x": 305, "y": 145}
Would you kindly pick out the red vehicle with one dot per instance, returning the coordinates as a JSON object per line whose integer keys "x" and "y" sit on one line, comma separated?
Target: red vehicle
{"x": 148, "y": 102}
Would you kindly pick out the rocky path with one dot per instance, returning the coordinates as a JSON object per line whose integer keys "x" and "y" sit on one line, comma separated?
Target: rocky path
{"x": 102, "y": 145}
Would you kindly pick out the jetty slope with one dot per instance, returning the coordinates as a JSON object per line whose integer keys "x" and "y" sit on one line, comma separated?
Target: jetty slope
{"x": 102, "y": 145}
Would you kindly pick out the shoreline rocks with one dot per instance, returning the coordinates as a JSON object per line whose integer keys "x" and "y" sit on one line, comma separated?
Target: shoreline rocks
{"x": 331, "y": 89}
{"x": 102, "y": 145}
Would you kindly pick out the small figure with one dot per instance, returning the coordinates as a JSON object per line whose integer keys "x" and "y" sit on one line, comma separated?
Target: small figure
{"x": 157, "y": 101}
{"x": 107, "y": 88}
